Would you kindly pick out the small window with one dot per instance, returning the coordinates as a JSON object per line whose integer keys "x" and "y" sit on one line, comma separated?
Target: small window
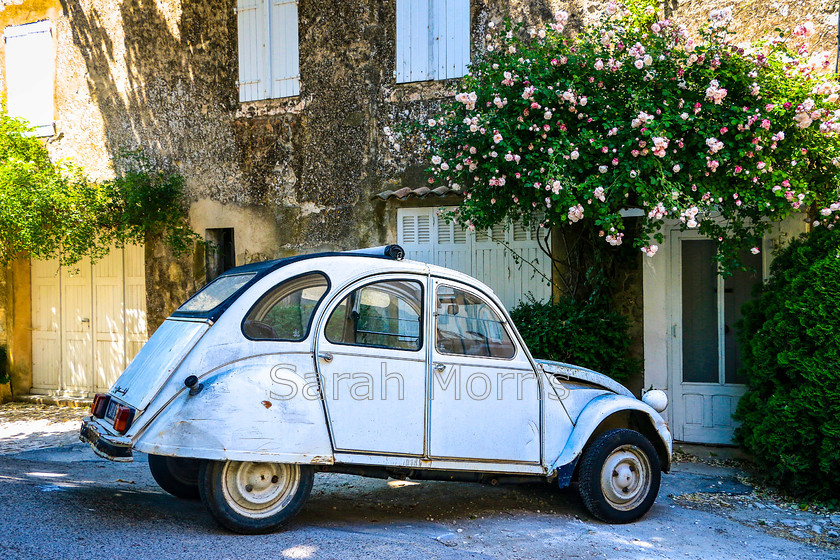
{"x": 433, "y": 39}
{"x": 215, "y": 293}
{"x": 268, "y": 49}
{"x": 466, "y": 325}
{"x": 220, "y": 255}
{"x": 30, "y": 75}
{"x": 285, "y": 312}
{"x": 382, "y": 315}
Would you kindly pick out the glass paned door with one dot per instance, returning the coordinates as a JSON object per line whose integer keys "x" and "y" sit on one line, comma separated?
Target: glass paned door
{"x": 708, "y": 386}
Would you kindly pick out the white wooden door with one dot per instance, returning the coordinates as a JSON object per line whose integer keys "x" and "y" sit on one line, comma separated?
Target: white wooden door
{"x": 88, "y": 322}
{"x": 76, "y": 346}
{"x": 507, "y": 258}
{"x": 134, "y": 273}
{"x": 46, "y": 325}
{"x": 108, "y": 322}
{"x": 706, "y": 359}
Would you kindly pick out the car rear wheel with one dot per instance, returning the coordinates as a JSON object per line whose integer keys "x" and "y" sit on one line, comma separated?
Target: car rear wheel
{"x": 248, "y": 497}
{"x": 619, "y": 476}
{"x": 176, "y": 475}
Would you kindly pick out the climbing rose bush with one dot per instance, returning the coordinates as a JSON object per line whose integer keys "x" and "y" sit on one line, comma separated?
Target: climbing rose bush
{"x": 632, "y": 112}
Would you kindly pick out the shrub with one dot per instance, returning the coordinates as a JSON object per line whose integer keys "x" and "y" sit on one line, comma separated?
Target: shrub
{"x": 583, "y": 334}
{"x": 791, "y": 412}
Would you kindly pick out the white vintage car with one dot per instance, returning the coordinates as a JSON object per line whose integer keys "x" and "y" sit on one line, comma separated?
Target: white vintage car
{"x": 367, "y": 364}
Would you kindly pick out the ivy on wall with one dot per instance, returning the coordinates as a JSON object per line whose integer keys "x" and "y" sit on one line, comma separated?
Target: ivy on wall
{"x": 52, "y": 210}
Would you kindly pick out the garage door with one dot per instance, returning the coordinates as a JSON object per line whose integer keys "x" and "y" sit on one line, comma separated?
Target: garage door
{"x": 505, "y": 257}
{"x": 88, "y": 322}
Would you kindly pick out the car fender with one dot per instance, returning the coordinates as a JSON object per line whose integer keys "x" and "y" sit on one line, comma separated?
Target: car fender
{"x": 251, "y": 410}
{"x": 594, "y": 415}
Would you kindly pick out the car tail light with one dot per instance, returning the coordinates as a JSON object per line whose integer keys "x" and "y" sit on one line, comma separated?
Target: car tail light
{"x": 123, "y": 418}
{"x": 100, "y": 405}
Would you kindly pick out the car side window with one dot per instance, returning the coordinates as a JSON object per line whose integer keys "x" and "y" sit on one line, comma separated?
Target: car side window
{"x": 384, "y": 314}
{"x": 467, "y": 325}
{"x": 285, "y": 312}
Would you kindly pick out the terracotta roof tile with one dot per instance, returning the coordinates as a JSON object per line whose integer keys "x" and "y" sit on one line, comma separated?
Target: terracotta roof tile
{"x": 421, "y": 192}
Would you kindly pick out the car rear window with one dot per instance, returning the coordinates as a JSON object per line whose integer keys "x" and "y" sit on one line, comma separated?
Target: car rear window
{"x": 285, "y": 312}
{"x": 215, "y": 293}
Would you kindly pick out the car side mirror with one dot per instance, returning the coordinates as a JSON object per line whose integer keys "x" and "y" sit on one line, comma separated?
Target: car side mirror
{"x": 452, "y": 309}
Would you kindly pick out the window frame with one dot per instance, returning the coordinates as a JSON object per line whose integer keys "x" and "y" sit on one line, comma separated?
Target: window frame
{"x": 435, "y": 44}
{"x": 504, "y": 323}
{"x": 261, "y": 36}
{"x": 312, "y": 318}
{"x": 357, "y": 287}
{"x": 19, "y": 31}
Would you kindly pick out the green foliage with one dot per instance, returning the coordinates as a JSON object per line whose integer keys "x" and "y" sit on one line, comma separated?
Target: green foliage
{"x": 52, "y": 209}
{"x": 631, "y": 112}
{"x": 45, "y": 208}
{"x": 791, "y": 412}
{"x": 145, "y": 201}
{"x": 583, "y": 334}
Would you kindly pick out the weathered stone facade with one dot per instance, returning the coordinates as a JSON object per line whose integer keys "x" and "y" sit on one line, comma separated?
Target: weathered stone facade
{"x": 291, "y": 175}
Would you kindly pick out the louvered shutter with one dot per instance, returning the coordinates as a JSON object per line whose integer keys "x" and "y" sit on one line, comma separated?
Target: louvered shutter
{"x": 252, "y": 18}
{"x": 414, "y": 233}
{"x": 433, "y": 39}
{"x": 492, "y": 255}
{"x": 30, "y": 75}
{"x": 268, "y": 49}
{"x": 285, "y": 73}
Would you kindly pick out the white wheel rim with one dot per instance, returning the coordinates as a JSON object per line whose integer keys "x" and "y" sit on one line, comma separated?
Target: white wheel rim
{"x": 259, "y": 490}
{"x": 625, "y": 478}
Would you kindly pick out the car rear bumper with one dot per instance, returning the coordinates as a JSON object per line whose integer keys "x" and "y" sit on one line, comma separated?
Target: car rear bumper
{"x": 113, "y": 448}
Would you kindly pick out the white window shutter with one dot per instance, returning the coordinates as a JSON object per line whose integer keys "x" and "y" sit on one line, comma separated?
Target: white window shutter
{"x": 414, "y": 226}
{"x": 253, "y": 50}
{"x": 285, "y": 73}
{"x": 433, "y": 39}
{"x": 458, "y": 38}
{"x": 428, "y": 238}
{"x": 30, "y": 75}
{"x": 268, "y": 49}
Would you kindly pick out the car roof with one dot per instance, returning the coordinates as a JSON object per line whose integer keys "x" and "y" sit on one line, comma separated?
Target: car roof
{"x": 380, "y": 261}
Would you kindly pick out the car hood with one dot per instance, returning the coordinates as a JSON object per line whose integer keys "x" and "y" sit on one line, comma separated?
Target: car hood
{"x": 568, "y": 371}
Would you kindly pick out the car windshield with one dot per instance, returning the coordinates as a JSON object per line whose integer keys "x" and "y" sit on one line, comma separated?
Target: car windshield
{"x": 215, "y": 293}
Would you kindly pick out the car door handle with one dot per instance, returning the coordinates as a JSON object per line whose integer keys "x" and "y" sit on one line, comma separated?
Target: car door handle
{"x": 438, "y": 367}
{"x": 326, "y": 356}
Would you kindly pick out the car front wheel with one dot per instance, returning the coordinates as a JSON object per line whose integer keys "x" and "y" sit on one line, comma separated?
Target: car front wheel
{"x": 619, "y": 476}
{"x": 248, "y": 497}
{"x": 176, "y": 475}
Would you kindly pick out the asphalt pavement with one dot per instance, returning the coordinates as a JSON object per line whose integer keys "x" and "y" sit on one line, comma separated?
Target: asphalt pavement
{"x": 58, "y": 500}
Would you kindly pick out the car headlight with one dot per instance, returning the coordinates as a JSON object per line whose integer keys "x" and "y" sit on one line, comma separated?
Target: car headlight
{"x": 656, "y": 399}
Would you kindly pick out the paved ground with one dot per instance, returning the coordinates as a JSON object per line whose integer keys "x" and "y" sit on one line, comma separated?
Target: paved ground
{"x": 57, "y": 500}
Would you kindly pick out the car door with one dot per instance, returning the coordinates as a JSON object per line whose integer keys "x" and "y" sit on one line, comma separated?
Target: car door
{"x": 484, "y": 393}
{"x": 371, "y": 357}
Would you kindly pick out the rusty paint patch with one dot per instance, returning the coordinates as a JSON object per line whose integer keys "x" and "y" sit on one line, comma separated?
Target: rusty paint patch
{"x": 266, "y": 404}
{"x": 321, "y": 460}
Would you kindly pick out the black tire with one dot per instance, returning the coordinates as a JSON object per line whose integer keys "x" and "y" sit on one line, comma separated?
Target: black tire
{"x": 176, "y": 475}
{"x": 277, "y": 492}
{"x": 619, "y": 476}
